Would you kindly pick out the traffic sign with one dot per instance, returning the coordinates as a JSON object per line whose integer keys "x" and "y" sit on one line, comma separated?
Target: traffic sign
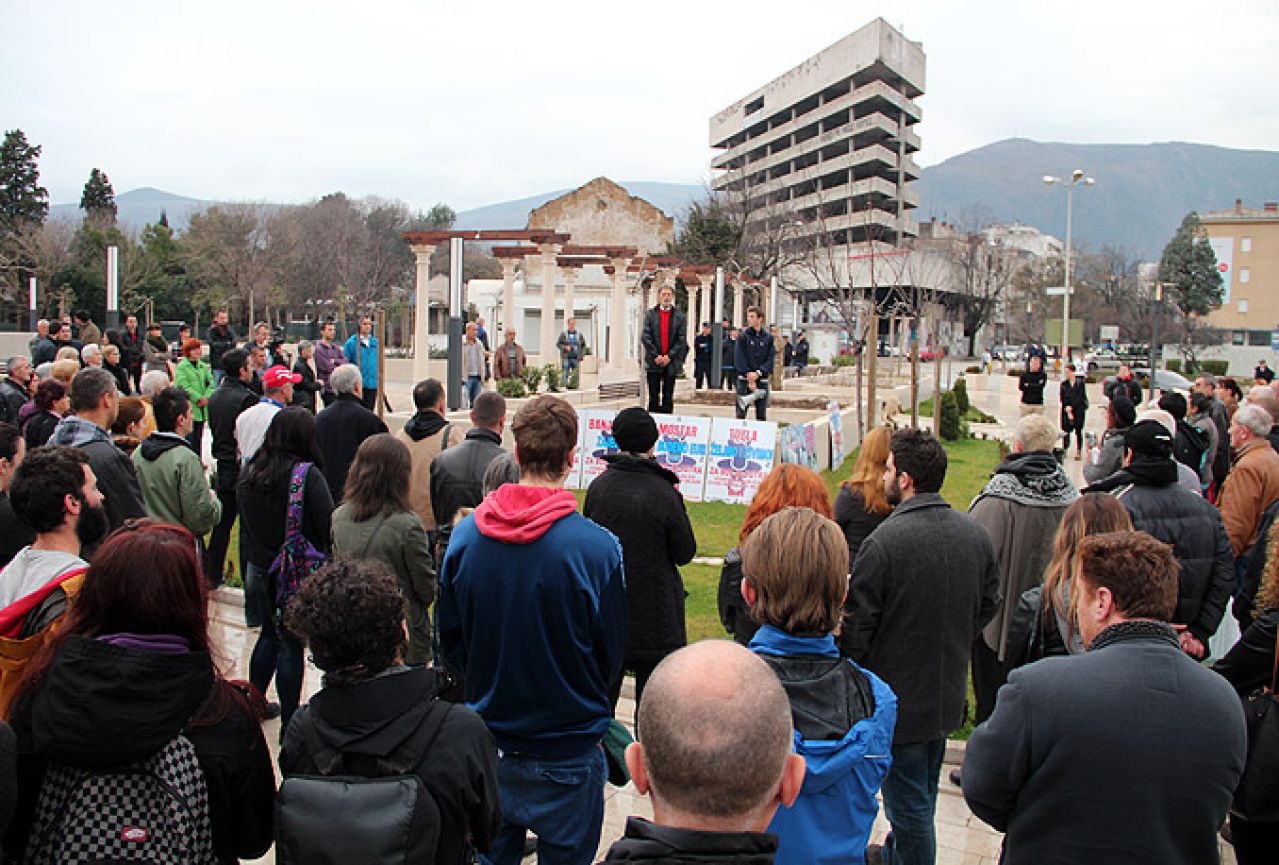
{"x": 1058, "y": 290}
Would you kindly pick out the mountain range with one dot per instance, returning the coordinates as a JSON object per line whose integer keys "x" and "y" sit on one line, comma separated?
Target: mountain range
{"x": 1141, "y": 195}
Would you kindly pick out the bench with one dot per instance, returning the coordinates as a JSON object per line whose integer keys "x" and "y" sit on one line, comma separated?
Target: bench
{"x": 620, "y": 390}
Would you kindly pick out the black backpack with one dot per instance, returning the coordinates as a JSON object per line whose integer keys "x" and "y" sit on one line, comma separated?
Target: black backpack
{"x": 372, "y": 814}
{"x": 1189, "y": 446}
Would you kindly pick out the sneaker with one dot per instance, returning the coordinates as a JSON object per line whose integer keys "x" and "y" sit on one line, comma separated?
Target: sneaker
{"x": 272, "y": 712}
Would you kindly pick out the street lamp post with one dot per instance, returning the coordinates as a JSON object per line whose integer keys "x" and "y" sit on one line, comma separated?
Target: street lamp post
{"x": 1076, "y": 177}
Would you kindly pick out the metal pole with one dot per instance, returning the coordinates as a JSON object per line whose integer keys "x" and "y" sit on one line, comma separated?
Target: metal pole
{"x": 717, "y": 332}
{"x": 1065, "y": 301}
{"x": 380, "y": 331}
{"x": 32, "y": 304}
{"x": 454, "y": 387}
{"x": 1154, "y": 337}
{"x": 113, "y": 287}
{"x": 772, "y": 301}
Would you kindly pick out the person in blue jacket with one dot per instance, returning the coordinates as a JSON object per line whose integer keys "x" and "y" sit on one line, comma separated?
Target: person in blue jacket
{"x": 361, "y": 349}
{"x": 795, "y": 567}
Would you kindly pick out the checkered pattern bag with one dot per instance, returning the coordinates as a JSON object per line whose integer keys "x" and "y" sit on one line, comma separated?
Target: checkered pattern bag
{"x": 154, "y": 811}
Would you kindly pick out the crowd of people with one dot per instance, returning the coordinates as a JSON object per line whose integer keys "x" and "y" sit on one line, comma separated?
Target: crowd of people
{"x": 474, "y": 626}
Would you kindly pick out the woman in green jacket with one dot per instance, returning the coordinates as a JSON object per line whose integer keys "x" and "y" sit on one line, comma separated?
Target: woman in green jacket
{"x": 193, "y": 375}
{"x": 376, "y": 521}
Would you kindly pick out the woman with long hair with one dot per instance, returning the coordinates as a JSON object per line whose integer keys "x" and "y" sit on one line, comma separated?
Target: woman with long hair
{"x": 262, "y": 494}
{"x": 131, "y": 669}
{"x": 377, "y": 521}
{"x": 129, "y": 428}
{"x": 51, "y": 402}
{"x": 787, "y": 485}
{"x": 862, "y": 504}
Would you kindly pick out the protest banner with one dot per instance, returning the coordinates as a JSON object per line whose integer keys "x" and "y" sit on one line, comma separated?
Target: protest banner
{"x": 741, "y": 453}
{"x": 682, "y": 446}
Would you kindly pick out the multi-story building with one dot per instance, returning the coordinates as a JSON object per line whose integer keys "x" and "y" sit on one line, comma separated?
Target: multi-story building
{"x": 1246, "y": 241}
{"x": 824, "y": 151}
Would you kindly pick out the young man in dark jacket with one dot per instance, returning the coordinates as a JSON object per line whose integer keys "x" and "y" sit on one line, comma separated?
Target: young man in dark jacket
{"x": 923, "y": 586}
{"x": 636, "y": 500}
{"x": 457, "y": 472}
{"x": 231, "y": 397}
{"x": 342, "y": 427}
{"x": 713, "y": 795}
{"x": 1142, "y": 746}
{"x": 532, "y": 614}
{"x": 703, "y": 348}
{"x": 753, "y": 361}
{"x": 221, "y": 340}
{"x": 373, "y": 709}
{"x": 665, "y": 341}
{"x": 1031, "y": 384}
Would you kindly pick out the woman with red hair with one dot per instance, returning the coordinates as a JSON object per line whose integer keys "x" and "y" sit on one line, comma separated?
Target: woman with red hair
{"x": 787, "y": 485}
{"x": 126, "y": 690}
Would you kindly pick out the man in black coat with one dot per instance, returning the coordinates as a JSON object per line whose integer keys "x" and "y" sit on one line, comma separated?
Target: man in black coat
{"x": 343, "y": 426}
{"x": 636, "y": 500}
{"x": 1031, "y": 384}
{"x": 1207, "y": 385}
{"x": 1129, "y": 753}
{"x": 1147, "y": 487}
{"x": 221, "y": 340}
{"x": 15, "y": 388}
{"x": 923, "y": 586}
{"x": 231, "y": 397}
{"x": 457, "y": 473}
{"x": 703, "y": 349}
{"x": 665, "y": 341}
{"x": 304, "y": 391}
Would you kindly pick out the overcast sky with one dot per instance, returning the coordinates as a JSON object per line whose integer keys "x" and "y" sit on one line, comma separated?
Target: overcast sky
{"x": 476, "y": 102}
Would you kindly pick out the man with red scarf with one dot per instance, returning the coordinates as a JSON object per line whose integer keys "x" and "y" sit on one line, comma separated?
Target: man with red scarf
{"x": 665, "y": 341}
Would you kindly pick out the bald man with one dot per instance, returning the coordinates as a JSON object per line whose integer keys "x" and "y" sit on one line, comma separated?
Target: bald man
{"x": 715, "y": 756}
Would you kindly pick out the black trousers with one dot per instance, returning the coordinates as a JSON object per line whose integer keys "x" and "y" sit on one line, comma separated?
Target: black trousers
{"x": 642, "y": 670}
{"x": 1255, "y": 843}
{"x": 220, "y": 539}
{"x": 661, "y": 390}
{"x": 728, "y": 378}
{"x": 761, "y": 404}
{"x": 370, "y": 398}
{"x": 701, "y": 374}
{"x": 1077, "y": 427}
{"x": 988, "y": 678}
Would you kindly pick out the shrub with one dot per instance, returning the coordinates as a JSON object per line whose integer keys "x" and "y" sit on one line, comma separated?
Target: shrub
{"x": 1214, "y": 367}
{"x": 1015, "y": 372}
{"x": 949, "y": 426}
{"x": 972, "y": 370}
{"x": 532, "y": 376}
{"x": 437, "y": 353}
{"x": 511, "y": 388}
{"x": 551, "y": 373}
{"x": 1173, "y": 365}
{"x": 574, "y": 379}
{"x": 961, "y": 395}
{"x": 844, "y": 360}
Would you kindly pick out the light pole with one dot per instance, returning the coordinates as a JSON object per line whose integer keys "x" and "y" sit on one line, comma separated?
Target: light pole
{"x": 1076, "y": 177}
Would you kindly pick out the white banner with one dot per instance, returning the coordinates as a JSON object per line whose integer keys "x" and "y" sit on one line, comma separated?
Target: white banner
{"x": 741, "y": 454}
{"x": 596, "y": 430}
{"x": 1224, "y": 249}
{"x": 836, "y": 436}
{"x": 682, "y": 446}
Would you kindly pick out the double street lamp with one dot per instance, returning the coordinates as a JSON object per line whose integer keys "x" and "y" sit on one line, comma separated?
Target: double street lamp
{"x": 1076, "y": 177}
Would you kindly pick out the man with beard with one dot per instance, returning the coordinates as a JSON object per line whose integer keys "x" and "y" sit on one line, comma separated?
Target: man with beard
{"x": 923, "y": 586}
{"x": 95, "y": 403}
{"x": 56, "y": 493}
{"x": 665, "y": 341}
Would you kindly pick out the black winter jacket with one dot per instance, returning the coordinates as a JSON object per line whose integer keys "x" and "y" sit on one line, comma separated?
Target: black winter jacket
{"x": 103, "y": 705}
{"x": 668, "y": 845}
{"x": 1249, "y": 663}
{"x": 304, "y": 391}
{"x": 677, "y": 339}
{"x": 230, "y": 398}
{"x": 1032, "y": 385}
{"x": 924, "y": 585}
{"x": 371, "y": 719}
{"x": 636, "y": 500}
{"x": 754, "y": 352}
{"x": 854, "y": 519}
{"x": 14, "y": 397}
{"x": 339, "y": 431}
{"x": 263, "y": 512}
{"x": 1194, "y": 529}
{"x": 734, "y": 612}
{"x": 457, "y": 473}
{"x": 1075, "y": 396}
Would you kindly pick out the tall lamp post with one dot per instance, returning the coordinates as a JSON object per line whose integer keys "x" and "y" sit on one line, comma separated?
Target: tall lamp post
{"x": 1076, "y": 177}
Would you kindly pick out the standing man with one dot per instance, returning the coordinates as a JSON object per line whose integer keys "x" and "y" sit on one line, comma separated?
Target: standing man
{"x": 361, "y": 350}
{"x": 342, "y": 427}
{"x": 250, "y": 426}
{"x": 14, "y": 533}
{"x": 131, "y": 339}
{"x": 801, "y": 352}
{"x": 509, "y": 359}
{"x": 1031, "y": 384}
{"x": 532, "y": 614}
{"x": 42, "y": 333}
{"x": 1127, "y": 753}
{"x": 1074, "y": 410}
{"x": 328, "y": 357}
{"x": 91, "y": 335}
{"x": 703, "y": 349}
{"x": 170, "y": 472}
{"x": 472, "y": 363}
{"x": 15, "y": 388}
{"x": 665, "y": 341}
{"x": 483, "y": 336}
{"x": 1207, "y": 385}
{"x": 457, "y": 474}
{"x": 427, "y": 433}
{"x": 46, "y": 349}
{"x": 570, "y": 345}
{"x": 753, "y": 354}
{"x": 923, "y": 586}
{"x": 305, "y": 390}
{"x": 232, "y": 398}
{"x": 221, "y": 340}
{"x": 728, "y": 362}
{"x": 257, "y": 364}
{"x": 1263, "y": 373}
{"x": 1124, "y": 384}
{"x": 193, "y": 376}
{"x": 1254, "y": 481}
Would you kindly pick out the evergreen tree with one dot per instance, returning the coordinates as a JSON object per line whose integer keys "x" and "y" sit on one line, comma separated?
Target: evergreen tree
{"x": 164, "y": 218}
{"x": 1190, "y": 266}
{"x": 98, "y": 199}
{"x": 22, "y": 198}
{"x": 710, "y": 235}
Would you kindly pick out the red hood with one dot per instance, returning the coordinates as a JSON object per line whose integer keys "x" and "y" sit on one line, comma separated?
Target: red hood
{"x": 515, "y": 514}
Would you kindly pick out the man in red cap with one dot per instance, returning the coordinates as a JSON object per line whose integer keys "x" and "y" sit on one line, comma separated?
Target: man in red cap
{"x": 250, "y": 426}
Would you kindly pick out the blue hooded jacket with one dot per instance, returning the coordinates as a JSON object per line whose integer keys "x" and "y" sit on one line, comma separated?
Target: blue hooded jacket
{"x": 364, "y": 356}
{"x": 831, "y": 820}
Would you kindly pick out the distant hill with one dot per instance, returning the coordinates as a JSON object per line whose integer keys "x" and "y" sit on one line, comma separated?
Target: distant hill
{"x": 1142, "y": 193}
{"x": 138, "y": 207}
{"x": 671, "y": 198}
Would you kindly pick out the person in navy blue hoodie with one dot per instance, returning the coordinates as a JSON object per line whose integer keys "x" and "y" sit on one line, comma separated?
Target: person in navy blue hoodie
{"x": 796, "y": 567}
{"x": 532, "y": 614}
{"x": 753, "y": 359}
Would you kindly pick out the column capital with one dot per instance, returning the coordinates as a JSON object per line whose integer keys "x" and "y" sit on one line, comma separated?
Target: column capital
{"x": 508, "y": 266}
{"x": 422, "y": 250}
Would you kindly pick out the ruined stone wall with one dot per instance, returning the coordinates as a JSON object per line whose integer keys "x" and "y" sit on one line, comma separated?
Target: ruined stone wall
{"x": 601, "y": 213}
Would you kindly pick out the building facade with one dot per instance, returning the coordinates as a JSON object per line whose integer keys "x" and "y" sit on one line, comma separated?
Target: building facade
{"x": 1246, "y": 242}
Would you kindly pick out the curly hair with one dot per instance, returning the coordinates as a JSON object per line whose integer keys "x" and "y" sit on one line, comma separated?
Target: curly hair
{"x": 786, "y": 485}
{"x": 1268, "y": 591}
{"x": 351, "y": 615}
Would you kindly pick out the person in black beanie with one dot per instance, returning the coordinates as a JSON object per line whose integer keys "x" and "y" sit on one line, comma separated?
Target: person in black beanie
{"x": 637, "y": 500}
{"x": 1148, "y": 488}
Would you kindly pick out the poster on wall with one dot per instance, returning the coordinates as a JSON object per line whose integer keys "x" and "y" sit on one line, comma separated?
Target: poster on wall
{"x": 741, "y": 453}
{"x": 837, "y": 452}
{"x": 799, "y": 445}
{"x": 682, "y": 446}
{"x": 1224, "y": 249}
{"x": 595, "y": 429}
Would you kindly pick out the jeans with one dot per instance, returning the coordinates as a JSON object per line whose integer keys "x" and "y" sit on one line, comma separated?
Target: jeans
{"x": 473, "y": 387}
{"x": 561, "y": 800}
{"x": 910, "y": 802}
{"x": 217, "y": 376}
{"x": 277, "y": 652}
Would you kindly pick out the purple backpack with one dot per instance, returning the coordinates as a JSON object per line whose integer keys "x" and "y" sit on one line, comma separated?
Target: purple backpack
{"x": 298, "y": 558}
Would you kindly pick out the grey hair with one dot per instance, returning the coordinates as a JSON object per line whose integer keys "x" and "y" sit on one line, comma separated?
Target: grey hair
{"x": 152, "y": 382}
{"x": 503, "y": 470}
{"x": 18, "y": 360}
{"x": 1207, "y": 377}
{"x": 304, "y": 345}
{"x": 90, "y": 350}
{"x": 44, "y": 370}
{"x": 89, "y": 386}
{"x": 346, "y": 379}
{"x": 1035, "y": 433}
{"x": 1253, "y": 418}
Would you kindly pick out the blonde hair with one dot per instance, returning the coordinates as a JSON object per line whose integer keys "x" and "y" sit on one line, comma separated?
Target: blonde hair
{"x": 1090, "y": 514}
{"x": 1268, "y": 591}
{"x": 868, "y": 471}
{"x": 797, "y": 563}
{"x": 1035, "y": 433}
{"x": 64, "y": 370}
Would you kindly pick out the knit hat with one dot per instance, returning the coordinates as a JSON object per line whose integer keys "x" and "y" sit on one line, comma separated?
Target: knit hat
{"x": 1125, "y": 411}
{"x": 1149, "y": 438}
{"x": 634, "y": 430}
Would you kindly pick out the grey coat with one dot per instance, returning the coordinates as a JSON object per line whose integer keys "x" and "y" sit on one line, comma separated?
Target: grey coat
{"x": 924, "y": 583}
{"x": 1109, "y": 456}
{"x": 1127, "y": 754}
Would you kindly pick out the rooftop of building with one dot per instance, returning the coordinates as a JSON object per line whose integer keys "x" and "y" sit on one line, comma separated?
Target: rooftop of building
{"x": 1268, "y": 212}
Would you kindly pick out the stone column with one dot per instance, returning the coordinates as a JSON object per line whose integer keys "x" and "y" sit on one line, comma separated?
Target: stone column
{"x": 508, "y": 299}
{"x": 617, "y": 315}
{"x": 547, "y": 352}
{"x": 570, "y": 281}
{"x": 708, "y": 299}
{"x": 422, "y": 312}
{"x": 739, "y": 310}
